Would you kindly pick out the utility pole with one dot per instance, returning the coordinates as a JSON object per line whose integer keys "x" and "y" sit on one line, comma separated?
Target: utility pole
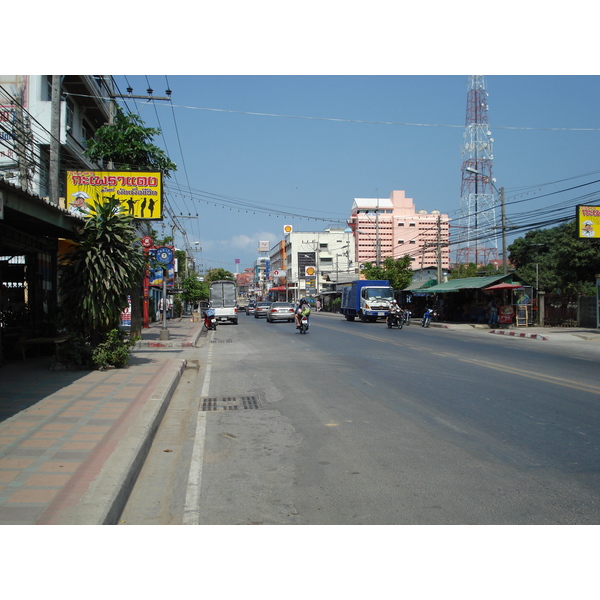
{"x": 503, "y": 213}
{"x": 55, "y": 139}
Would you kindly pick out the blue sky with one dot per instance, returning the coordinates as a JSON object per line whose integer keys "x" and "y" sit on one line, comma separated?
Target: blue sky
{"x": 329, "y": 139}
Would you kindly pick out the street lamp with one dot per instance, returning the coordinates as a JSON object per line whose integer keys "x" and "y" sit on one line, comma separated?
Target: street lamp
{"x": 501, "y": 194}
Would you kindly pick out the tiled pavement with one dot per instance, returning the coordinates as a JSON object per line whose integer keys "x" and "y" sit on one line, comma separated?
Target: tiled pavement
{"x": 59, "y": 430}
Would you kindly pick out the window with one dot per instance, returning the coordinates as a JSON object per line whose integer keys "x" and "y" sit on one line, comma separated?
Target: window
{"x": 401, "y": 224}
{"x": 412, "y": 224}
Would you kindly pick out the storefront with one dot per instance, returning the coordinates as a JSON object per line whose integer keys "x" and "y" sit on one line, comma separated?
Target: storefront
{"x": 503, "y": 300}
{"x": 33, "y": 232}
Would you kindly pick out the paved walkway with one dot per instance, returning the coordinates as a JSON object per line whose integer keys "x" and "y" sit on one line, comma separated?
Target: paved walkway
{"x": 71, "y": 442}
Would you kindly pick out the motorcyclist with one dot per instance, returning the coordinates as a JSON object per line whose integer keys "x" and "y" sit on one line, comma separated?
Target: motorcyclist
{"x": 303, "y": 309}
{"x": 393, "y": 311}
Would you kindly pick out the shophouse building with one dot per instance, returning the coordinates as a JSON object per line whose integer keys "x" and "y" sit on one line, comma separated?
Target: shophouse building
{"x": 311, "y": 262}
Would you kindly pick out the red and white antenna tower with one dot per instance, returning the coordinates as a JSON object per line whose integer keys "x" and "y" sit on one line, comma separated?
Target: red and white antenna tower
{"x": 477, "y": 238}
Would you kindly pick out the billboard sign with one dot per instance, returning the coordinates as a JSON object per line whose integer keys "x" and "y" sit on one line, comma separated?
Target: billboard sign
{"x": 306, "y": 260}
{"x": 588, "y": 222}
{"x": 138, "y": 192}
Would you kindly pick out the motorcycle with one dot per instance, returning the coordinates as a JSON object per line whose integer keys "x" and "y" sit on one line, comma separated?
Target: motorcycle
{"x": 210, "y": 321}
{"x": 427, "y": 317}
{"x": 407, "y": 315}
{"x": 395, "y": 320}
{"x": 304, "y": 324}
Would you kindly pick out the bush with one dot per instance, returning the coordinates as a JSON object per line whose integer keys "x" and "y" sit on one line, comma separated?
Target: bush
{"x": 115, "y": 351}
{"x": 76, "y": 352}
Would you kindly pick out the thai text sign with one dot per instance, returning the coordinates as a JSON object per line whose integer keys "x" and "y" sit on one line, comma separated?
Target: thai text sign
{"x": 139, "y": 192}
{"x": 588, "y": 221}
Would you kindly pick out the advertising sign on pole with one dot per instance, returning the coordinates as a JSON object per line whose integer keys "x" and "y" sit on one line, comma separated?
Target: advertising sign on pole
{"x": 588, "y": 222}
{"x": 138, "y": 192}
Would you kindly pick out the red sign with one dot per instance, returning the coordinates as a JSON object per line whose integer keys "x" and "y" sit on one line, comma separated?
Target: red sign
{"x": 147, "y": 241}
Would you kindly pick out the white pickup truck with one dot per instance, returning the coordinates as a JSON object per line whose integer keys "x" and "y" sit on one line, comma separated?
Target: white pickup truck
{"x": 223, "y": 298}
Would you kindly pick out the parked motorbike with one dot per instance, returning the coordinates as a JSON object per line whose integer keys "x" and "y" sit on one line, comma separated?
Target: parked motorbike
{"x": 210, "y": 321}
{"x": 407, "y": 315}
{"x": 395, "y": 320}
{"x": 304, "y": 324}
{"x": 427, "y": 317}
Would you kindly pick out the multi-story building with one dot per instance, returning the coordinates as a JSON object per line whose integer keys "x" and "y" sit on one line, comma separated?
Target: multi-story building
{"x": 45, "y": 123}
{"x": 309, "y": 263}
{"x": 392, "y": 227}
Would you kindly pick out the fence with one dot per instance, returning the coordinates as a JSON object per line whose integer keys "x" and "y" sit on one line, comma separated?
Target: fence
{"x": 569, "y": 311}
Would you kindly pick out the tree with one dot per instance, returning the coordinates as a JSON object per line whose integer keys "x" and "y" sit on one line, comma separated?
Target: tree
{"x": 218, "y": 275}
{"x": 128, "y": 144}
{"x": 96, "y": 275}
{"x": 398, "y": 272}
{"x": 557, "y": 260}
{"x": 193, "y": 290}
{"x": 462, "y": 271}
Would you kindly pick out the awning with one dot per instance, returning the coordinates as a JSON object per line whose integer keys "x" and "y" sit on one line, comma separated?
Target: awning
{"x": 468, "y": 283}
{"x": 419, "y": 285}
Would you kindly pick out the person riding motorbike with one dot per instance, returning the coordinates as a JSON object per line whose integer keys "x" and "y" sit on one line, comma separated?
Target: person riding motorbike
{"x": 302, "y": 310}
{"x": 394, "y": 312}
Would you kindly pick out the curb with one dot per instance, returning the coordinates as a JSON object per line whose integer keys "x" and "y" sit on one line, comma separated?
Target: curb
{"x": 535, "y": 336}
{"x": 106, "y": 497}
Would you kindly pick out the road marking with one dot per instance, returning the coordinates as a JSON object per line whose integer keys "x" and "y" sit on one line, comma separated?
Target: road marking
{"x": 191, "y": 510}
{"x": 576, "y": 385}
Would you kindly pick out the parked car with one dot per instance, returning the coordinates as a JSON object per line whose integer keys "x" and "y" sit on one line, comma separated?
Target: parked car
{"x": 280, "y": 311}
{"x": 261, "y": 309}
{"x": 250, "y": 308}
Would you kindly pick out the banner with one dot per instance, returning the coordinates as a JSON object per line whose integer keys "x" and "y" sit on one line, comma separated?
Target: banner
{"x": 138, "y": 192}
{"x": 588, "y": 222}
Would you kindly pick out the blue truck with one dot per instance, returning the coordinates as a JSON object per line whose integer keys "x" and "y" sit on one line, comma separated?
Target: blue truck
{"x": 366, "y": 299}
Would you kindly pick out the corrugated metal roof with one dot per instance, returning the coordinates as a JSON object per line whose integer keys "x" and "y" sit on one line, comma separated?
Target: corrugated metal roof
{"x": 468, "y": 283}
{"x": 421, "y": 284}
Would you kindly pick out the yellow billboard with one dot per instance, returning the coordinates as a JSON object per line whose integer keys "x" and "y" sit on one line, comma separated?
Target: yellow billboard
{"x": 588, "y": 221}
{"x": 138, "y": 192}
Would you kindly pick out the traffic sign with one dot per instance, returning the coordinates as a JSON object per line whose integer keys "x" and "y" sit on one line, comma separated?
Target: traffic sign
{"x": 164, "y": 255}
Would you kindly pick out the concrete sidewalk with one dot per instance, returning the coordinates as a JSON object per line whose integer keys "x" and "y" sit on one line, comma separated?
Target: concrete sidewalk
{"x": 72, "y": 442}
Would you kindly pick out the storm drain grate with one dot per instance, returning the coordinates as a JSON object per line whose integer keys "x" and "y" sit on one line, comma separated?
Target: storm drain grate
{"x": 230, "y": 403}
{"x": 220, "y": 341}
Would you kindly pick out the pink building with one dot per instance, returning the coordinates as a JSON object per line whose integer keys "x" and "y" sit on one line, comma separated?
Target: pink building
{"x": 392, "y": 227}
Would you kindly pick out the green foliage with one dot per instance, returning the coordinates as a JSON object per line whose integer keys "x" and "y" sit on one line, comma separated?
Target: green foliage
{"x": 557, "y": 260}
{"x": 75, "y": 352}
{"x": 463, "y": 271}
{"x": 194, "y": 290}
{"x": 177, "y": 307}
{"x": 128, "y": 144}
{"x": 398, "y": 272}
{"x": 114, "y": 351}
{"x": 95, "y": 277}
{"x": 218, "y": 275}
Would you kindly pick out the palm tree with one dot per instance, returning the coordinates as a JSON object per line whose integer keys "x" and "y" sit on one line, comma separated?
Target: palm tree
{"x": 96, "y": 276}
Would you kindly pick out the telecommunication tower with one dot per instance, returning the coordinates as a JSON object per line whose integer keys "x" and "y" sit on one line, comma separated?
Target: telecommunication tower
{"x": 477, "y": 240}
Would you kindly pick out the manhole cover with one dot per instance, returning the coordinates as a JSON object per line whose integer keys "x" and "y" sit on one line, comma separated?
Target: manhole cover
{"x": 230, "y": 403}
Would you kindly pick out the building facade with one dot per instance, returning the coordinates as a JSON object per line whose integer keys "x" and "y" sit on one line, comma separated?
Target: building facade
{"x": 311, "y": 262}
{"x": 45, "y": 123}
{"x": 392, "y": 227}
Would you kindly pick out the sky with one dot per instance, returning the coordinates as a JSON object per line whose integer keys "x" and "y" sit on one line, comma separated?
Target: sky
{"x": 279, "y": 109}
{"x": 254, "y": 150}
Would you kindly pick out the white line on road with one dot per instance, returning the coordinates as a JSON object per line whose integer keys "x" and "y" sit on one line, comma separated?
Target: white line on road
{"x": 191, "y": 511}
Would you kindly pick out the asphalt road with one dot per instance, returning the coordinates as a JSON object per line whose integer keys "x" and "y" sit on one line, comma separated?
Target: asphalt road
{"x": 357, "y": 424}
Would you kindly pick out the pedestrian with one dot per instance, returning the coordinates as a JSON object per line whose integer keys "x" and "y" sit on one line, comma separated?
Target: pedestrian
{"x": 318, "y": 305}
{"x": 493, "y": 308}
